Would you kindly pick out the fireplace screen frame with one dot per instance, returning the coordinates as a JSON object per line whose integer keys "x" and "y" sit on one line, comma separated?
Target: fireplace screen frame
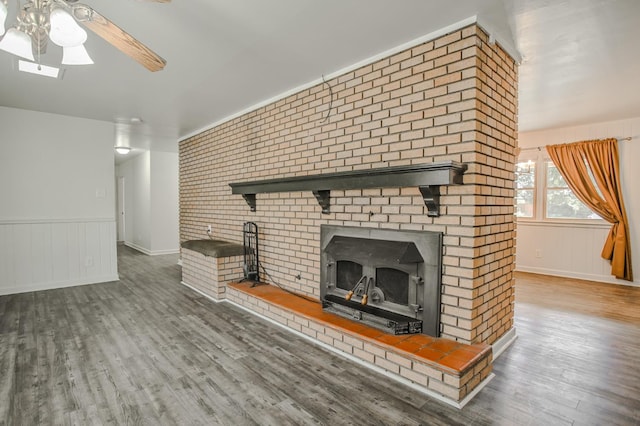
{"x": 427, "y": 291}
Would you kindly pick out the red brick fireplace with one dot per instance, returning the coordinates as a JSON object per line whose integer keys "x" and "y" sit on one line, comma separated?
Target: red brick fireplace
{"x": 450, "y": 99}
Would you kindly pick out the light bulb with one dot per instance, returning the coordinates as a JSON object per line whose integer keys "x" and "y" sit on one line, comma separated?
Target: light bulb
{"x": 124, "y": 150}
{"x": 76, "y": 55}
{"x": 3, "y": 16}
{"x": 17, "y": 43}
{"x": 65, "y": 31}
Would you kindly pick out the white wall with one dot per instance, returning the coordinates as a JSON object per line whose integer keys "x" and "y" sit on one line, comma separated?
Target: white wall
{"x": 151, "y": 204}
{"x": 574, "y": 250}
{"x": 165, "y": 212}
{"x": 141, "y": 207}
{"x": 57, "y": 224}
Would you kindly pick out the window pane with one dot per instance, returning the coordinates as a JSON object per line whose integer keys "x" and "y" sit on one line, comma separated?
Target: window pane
{"x": 525, "y": 189}
{"x": 524, "y": 203}
{"x": 525, "y": 175}
{"x": 563, "y": 204}
{"x": 561, "y": 201}
{"x": 554, "y": 178}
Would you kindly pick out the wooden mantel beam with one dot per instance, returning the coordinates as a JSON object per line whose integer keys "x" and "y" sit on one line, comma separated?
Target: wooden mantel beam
{"x": 427, "y": 177}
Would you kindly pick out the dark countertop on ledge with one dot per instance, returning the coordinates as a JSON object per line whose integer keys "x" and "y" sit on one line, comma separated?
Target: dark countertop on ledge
{"x": 214, "y": 248}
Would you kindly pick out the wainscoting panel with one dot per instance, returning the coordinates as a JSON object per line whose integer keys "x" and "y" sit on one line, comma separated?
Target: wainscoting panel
{"x": 51, "y": 253}
{"x": 564, "y": 249}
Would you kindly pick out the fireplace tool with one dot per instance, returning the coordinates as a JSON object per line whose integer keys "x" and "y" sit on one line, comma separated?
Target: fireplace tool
{"x": 361, "y": 289}
{"x": 351, "y": 292}
{"x": 251, "y": 258}
{"x": 365, "y": 297}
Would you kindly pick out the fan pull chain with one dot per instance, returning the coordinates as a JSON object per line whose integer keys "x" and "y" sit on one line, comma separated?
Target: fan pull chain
{"x": 39, "y": 50}
{"x": 39, "y": 47}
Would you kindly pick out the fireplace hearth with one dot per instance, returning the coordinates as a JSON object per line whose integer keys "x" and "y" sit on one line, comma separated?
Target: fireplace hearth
{"x": 388, "y": 279}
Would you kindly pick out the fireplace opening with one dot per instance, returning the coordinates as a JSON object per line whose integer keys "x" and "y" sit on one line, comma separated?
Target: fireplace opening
{"x": 387, "y": 279}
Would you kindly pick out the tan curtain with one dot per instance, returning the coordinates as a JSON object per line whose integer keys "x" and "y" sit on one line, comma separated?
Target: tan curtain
{"x": 601, "y": 157}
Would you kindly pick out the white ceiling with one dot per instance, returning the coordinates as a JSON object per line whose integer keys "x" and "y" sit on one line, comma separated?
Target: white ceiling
{"x": 581, "y": 62}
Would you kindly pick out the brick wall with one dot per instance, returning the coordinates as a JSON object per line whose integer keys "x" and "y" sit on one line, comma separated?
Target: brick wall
{"x": 452, "y": 98}
{"x": 210, "y": 275}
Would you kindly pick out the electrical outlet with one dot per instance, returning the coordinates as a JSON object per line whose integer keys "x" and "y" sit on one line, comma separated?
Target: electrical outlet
{"x": 538, "y": 253}
{"x": 208, "y": 229}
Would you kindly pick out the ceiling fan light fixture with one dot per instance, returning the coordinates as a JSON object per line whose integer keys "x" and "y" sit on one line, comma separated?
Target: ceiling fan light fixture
{"x": 124, "y": 150}
{"x": 65, "y": 31}
{"x": 3, "y": 16}
{"x": 76, "y": 55}
{"x": 17, "y": 43}
{"x": 59, "y": 20}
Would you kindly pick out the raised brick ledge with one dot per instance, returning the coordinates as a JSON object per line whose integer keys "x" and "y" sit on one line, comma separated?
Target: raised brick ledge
{"x": 450, "y": 368}
{"x": 210, "y": 274}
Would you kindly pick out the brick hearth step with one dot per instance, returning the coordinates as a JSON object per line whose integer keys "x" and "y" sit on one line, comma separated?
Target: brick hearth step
{"x": 441, "y": 367}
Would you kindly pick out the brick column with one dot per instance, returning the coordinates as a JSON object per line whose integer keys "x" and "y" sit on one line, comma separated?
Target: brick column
{"x": 451, "y": 98}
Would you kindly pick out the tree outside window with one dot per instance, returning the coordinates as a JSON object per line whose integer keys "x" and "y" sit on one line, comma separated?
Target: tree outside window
{"x": 561, "y": 203}
{"x": 525, "y": 189}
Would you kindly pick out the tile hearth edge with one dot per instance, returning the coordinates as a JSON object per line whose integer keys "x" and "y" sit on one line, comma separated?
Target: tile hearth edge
{"x": 446, "y": 370}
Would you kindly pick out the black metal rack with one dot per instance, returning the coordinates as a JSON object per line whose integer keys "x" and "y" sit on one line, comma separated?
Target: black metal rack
{"x": 251, "y": 262}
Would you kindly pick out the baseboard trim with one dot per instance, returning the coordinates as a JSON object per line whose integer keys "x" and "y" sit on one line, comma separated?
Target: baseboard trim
{"x": 150, "y": 252}
{"x": 53, "y": 285}
{"x": 137, "y": 247}
{"x": 475, "y": 391}
{"x": 577, "y": 275}
{"x": 163, "y": 252}
{"x": 500, "y": 345}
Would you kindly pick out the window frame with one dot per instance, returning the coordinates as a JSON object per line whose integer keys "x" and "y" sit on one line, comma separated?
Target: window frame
{"x": 540, "y": 160}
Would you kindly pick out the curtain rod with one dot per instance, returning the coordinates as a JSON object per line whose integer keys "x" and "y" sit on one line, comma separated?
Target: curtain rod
{"x": 539, "y": 148}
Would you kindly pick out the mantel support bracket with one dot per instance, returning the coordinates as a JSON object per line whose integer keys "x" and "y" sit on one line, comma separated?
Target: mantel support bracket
{"x": 251, "y": 200}
{"x": 431, "y": 197}
{"x": 324, "y": 199}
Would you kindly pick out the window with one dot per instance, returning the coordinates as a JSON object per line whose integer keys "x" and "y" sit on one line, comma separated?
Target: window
{"x": 539, "y": 179}
{"x": 561, "y": 203}
{"x": 525, "y": 189}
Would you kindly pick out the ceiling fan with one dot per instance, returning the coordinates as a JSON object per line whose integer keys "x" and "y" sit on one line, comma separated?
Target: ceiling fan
{"x": 39, "y": 21}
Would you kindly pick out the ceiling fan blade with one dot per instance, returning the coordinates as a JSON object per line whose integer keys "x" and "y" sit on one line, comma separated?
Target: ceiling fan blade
{"x": 118, "y": 37}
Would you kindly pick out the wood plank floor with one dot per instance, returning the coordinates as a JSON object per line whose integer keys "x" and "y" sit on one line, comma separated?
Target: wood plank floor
{"x": 146, "y": 350}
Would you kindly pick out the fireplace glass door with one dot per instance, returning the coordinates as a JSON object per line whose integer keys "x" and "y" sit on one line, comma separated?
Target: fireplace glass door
{"x": 347, "y": 274}
{"x": 394, "y": 285}
{"x": 388, "y": 288}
